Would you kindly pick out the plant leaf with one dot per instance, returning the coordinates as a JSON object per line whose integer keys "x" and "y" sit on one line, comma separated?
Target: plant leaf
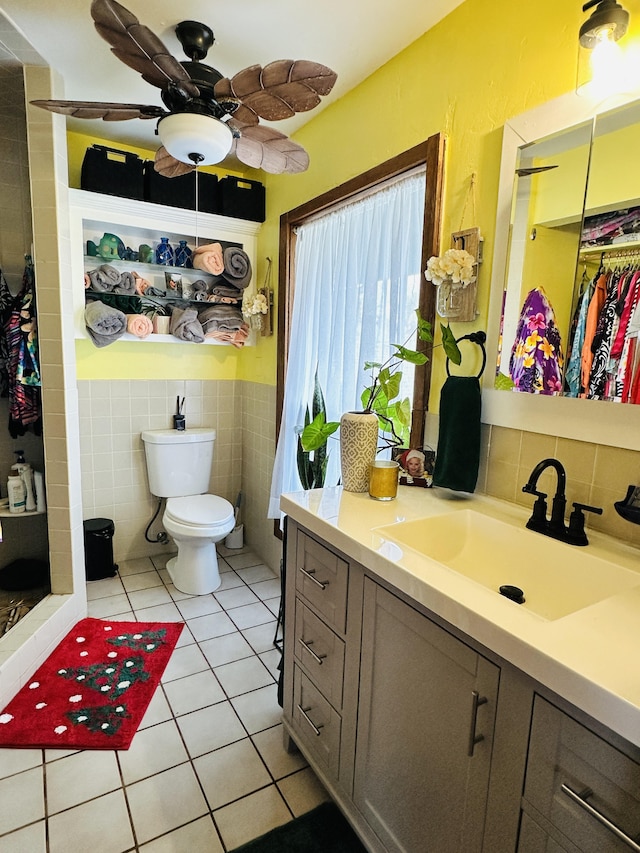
{"x": 449, "y": 344}
{"x": 370, "y": 365}
{"x": 390, "y": 382}
{"x": 504, "y": 383}
{"x": 410, "y": 355}
{"x": 424, "y": 328}
{"x": 315, "y": 434}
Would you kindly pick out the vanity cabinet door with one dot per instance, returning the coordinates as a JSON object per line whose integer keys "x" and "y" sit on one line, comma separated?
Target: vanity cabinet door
{"x": 583, "y": 786}
{"x": 425, "y": 730}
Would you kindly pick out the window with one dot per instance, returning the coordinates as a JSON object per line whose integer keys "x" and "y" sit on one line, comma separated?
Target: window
{"x": 358, "y": 278}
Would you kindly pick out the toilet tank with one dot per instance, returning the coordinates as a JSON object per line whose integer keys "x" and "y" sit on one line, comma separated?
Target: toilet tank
{"x": 178, "y": 462}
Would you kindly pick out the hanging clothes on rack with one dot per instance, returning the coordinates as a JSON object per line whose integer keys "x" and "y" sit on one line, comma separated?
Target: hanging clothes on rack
{"x": 21, "y": 333}
{"x": 573, "y": 386}
{"x": 6, "y": 305}
{"x": 536, "y": 359}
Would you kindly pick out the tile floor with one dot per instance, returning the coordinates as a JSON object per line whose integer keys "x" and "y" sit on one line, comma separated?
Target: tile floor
{"x": 206, "y": 771}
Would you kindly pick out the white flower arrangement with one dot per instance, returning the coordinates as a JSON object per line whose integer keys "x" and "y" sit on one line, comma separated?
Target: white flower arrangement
{"x": 455, "y": 267}
{"x": 253, "y": 304}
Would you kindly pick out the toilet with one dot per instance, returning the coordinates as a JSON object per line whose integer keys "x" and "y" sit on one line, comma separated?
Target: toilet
{"x": 179, "y": 466}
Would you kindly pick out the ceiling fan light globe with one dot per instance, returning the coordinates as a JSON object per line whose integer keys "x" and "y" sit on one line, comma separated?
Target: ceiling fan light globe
{"x": 194, "y": 138}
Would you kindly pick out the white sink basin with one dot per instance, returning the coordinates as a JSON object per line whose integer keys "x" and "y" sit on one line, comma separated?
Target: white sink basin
{"x": 556, "y": 578}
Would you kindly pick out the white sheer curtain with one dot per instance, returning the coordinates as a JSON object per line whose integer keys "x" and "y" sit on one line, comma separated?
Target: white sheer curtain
{"x": 357, "y": 285}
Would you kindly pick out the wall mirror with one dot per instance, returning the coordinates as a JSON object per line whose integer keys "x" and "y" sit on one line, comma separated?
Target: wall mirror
{"x": 568, "y": 209}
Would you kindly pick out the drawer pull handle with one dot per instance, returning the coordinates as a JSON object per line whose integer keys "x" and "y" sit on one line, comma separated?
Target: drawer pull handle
{"x": 317, "y": 658}
{"x": 310, "y": 574}
{"x": 476, "y": 701}
{"x": 315, "y": 728}
{"x": 581, "y": 800}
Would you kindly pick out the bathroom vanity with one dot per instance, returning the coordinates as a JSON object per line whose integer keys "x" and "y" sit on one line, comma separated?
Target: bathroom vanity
{"x": 442, "y": 716}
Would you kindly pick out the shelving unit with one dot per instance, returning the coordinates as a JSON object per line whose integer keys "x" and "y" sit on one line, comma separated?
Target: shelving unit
{"x": 135, "y": 222}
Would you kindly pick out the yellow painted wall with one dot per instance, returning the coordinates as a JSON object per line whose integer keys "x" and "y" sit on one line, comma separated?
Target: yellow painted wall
{"x": 483, "y": 64}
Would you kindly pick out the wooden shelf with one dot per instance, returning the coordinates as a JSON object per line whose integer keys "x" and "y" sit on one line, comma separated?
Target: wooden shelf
{"x": 629, "y": 245}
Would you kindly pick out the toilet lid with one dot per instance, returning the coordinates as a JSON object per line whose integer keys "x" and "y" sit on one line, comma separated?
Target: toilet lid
{"x": 200, "y": 509}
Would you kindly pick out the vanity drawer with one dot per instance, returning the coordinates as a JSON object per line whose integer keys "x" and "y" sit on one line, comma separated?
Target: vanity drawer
{"x": 322, "y": 577}
{"x": 320, "y": 653}
{"x": 318, "y": 723}
{"x": 584, "y": 786}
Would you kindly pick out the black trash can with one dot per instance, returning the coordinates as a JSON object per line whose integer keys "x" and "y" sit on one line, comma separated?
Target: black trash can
{"x": 98, "y": 548}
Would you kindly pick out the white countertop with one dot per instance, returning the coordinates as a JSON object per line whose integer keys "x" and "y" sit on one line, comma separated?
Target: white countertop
{"x": 589, "y": 657}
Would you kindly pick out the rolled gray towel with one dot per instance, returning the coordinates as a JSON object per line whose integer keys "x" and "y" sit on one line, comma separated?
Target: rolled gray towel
{"x": 185, "y": 325}
{"x": 237, "y": 267}
{"x": 224, "y": 289}
{"x": 220, "y": 317}
{"x": 127, "y": 285}
{"x": 104, "y": 323}
{"x": 155, "y": 291}
{"x": 104, "y": 278}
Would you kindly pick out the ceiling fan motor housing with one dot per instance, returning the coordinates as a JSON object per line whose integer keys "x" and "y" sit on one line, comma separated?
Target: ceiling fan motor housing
{"x": 195, "y": 38}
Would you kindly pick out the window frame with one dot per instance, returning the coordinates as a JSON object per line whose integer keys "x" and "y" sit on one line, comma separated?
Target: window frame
{"x": 431, "y": 155}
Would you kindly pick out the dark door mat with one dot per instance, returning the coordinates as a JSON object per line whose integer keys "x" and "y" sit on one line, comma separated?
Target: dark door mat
{"x": 322, "y": 830}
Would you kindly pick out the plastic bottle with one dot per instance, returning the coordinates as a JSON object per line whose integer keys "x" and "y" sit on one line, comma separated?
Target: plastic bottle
{"x": 17, "y": 492}
{"x": 38, "y": 482}
{"x": 23, "y": 469}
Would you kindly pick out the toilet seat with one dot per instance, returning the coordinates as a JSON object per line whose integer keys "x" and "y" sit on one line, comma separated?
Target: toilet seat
{"x": 199, "y": 514}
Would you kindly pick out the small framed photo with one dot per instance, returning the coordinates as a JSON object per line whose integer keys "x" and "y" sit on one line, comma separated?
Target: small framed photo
{"x": 416, "y": 466}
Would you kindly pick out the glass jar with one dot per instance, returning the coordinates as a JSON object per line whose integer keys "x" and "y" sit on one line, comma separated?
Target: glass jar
{"x": 164, "y": 252}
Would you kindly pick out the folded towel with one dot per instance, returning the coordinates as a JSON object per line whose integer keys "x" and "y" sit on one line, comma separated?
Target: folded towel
{"x": 237, "y": 267}
{"x": 87, "y": 280}
{"x": 141, "y": 283}
{"x": 104, "y": 278}
{"x": 209, "y": 258}
{"x": 154, "y": 291}
{"x": 221, "y": 288}
{"x": 236, "y": 338}
{"x": 227, "y": 300}
{"x": 127, "y": 285}
{"x": 220, "y": 318}
{"x": 185, "y": 325}
{"x": 104, "y": 323}
{"x": 139, "y": 325}
{"x": 458, "y": 454}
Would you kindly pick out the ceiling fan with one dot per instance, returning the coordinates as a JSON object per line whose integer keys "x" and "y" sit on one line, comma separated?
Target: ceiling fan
{"x": 207, "y": 116}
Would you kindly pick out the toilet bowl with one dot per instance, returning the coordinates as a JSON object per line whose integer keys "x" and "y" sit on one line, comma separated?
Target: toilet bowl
{"x": 179, "y": 466}
{"x": 196, "y": 523}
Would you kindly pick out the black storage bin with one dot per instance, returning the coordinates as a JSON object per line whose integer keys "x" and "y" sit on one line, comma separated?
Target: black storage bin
{"x": 98, "y": 548}
{"x": 108, "y": 170}
{"x": 241, "y": 198}
{"x": 181, "y": 191}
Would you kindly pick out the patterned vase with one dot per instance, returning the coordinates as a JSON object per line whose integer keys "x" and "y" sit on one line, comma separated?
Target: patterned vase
{"x": 183, "y": 255}
{"x": 358, "y": 445}
{"x": 164, "y": 252}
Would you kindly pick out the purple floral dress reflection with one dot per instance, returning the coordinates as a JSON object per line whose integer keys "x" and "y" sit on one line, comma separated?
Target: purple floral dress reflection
{"x": 536, "y": 359}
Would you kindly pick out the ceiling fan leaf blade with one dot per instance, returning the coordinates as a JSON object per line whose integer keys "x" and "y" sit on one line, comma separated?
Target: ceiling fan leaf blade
{"x": 316, "y": 76}
{"x": 104, "y": 110}
{"x": 168, "y": 166}
{"x": 138, "y": 47}
{"x": 246, "y": 82}
{"x": 268, "y": 106}
{"x": 268, "y": 149}
{"x": 276, "y": 73}
{"x": 298, "y": 96}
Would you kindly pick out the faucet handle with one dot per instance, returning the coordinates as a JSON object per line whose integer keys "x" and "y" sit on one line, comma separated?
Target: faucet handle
{"x": 575, "y": 533}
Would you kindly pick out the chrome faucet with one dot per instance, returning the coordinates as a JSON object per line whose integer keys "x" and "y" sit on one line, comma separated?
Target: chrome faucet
{"x": 555, "y": 527}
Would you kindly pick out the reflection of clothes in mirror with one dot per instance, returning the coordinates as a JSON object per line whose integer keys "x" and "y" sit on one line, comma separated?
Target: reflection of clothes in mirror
{"x": 572, "y": 384}
{"x": 536, "y": 359}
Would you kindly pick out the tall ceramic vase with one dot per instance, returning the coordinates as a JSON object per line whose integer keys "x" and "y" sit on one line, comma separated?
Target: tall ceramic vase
{"x": 358, "y": 444}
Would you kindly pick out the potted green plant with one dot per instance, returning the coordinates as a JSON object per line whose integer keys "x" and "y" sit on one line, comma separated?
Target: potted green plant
{"x": 312, "y": 453}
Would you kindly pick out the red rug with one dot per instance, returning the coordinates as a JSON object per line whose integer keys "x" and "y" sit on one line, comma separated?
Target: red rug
{"x": 93, "y": 690}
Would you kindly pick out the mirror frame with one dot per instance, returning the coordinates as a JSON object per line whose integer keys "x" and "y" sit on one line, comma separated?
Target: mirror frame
{"x": 595, "y": 421}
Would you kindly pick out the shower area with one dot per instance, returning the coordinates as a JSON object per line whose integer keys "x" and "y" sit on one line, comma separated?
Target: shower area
{"x": 43, "y": 550}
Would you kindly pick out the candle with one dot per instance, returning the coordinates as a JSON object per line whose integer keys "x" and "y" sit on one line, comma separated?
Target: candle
{"x": 383, "y": 480}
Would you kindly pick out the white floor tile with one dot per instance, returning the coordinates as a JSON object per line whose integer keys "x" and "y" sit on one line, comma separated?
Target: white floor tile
{"x": 144, "y": 598}
{"x": 210, "y": 728}
{"x": 101, "y": 824}
{"x": 231, "y": 772}
{"x": 274, "y": 605}
{"x": 161, "y": 613}
{"x": 271, "y": 660}
{"x": 254, "y": 573}
{"x": 164, "y": 802}
{"x": 31, "y": 839}
{"x": 269, "y": 744}
{"x": 230, "y": 580}
{"x": 193, "y": 692}
{"x": 200, "y": 605}
{"x": 16, "y": 760}
{"x": 81, "y": 777}
{"x": 251, "y": 615}
{"x": 243, "y": 560}
{"x": 21, "y": 799}
{"x": 104, "y": 588}
{"x": 213, "y": 625}
{"x": 244, "y": 675}
{"x": 251, "y": 816}
{"x": 152, "y": 751}
{"x": 104, "y": 608}
{"x": 197, "y": 837}
{"x": 267, "y": 589}
{"x": 302, "y": 791}
{"x": 185, "y": 661}
{"x": 225, "y": 649}
{"x": 236, "y": 597}
{"x": 259, "y": 709}
{"x": 141, "y": 580}
{"x": 132, "y": 567}
{"x": 260, "y": 637}
{"x": 158, "y": 710}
